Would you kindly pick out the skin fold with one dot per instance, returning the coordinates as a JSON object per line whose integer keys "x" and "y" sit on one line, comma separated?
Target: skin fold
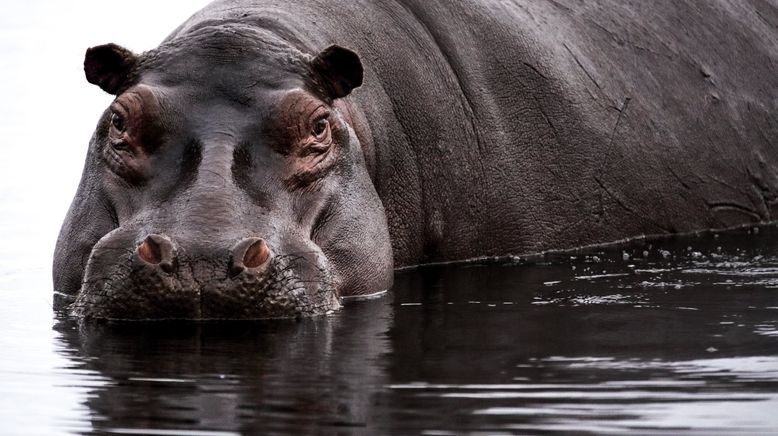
{"x": 269, "y": 158}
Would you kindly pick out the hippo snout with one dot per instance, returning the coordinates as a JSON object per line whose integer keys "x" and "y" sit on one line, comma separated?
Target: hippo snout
{"x": 163, "y": 277}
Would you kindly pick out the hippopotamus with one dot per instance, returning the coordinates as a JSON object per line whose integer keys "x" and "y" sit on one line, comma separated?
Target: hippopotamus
{"x": 269, "y": 159}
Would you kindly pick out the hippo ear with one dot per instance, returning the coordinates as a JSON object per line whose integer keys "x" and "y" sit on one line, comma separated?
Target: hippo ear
{"x": 340, "y": 70}
{"x": 108, "y": 66}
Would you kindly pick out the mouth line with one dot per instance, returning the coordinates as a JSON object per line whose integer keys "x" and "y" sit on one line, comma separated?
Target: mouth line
{"x": 209, "y": 320}
{"x": 186, "y": 304}
{"x": 363, "y": 297}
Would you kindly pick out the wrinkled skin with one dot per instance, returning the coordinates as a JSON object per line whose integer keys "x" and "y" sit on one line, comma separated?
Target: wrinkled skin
{"x": 453, "y": 130}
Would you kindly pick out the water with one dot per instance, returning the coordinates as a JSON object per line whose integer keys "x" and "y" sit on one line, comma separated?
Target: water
{"x": 681, "y": 339}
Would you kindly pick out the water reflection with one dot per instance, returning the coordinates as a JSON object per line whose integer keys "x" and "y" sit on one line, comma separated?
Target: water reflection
{"x": 242, "y": 377}
{"x": 670, "y": 336}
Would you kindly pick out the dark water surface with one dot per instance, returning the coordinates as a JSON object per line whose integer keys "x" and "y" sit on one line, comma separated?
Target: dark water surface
{"x": 674, "y": 336}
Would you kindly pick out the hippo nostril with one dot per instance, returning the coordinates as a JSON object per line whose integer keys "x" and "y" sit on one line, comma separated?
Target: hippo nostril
{"x": 249, "y": 253}
{"x": 256, "y": 254}
{"x": 149, "y": 251}
{"x": 157, "y": 250}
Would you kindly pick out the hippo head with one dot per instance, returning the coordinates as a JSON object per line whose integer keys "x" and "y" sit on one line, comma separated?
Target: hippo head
{"x": 225, "y": 181}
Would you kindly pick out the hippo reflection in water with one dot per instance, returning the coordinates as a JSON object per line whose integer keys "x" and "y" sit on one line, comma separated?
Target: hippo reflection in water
{"x": 268, "y": 159}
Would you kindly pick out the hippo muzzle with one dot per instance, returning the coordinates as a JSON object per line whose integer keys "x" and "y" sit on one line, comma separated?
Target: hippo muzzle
{"x": 158, "y": 278}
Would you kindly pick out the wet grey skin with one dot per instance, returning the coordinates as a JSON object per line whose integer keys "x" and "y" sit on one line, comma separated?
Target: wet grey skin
{"x": 268, "y": 160}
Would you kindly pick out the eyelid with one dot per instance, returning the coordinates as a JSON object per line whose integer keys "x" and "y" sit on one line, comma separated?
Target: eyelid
{"x": 321, "y": 111}
{"x": 117, "y": 108}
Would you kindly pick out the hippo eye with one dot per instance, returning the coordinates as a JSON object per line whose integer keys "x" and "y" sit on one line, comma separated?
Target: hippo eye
{"x": 117, "y": 121}
{"x": 320, "y": 128}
